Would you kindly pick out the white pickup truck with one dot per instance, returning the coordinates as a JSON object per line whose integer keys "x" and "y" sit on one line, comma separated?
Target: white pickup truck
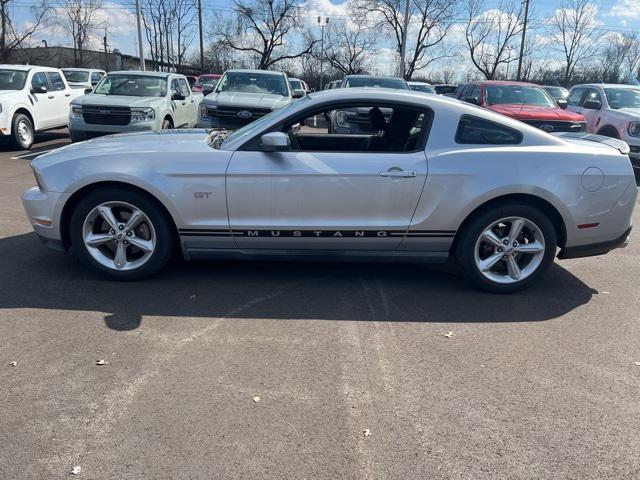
{"x": 32, "y": 99}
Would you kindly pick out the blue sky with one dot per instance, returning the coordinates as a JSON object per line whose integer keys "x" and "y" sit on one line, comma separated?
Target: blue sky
{"x": 613, "y": 16}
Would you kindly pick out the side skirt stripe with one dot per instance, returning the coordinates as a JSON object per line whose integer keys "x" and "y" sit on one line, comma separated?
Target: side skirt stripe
{"x": 192, "y": 232}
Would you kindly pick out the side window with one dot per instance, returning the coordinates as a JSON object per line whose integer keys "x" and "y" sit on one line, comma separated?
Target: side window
{"x": 95, "y": 77}
{"x": 478, "y": 131}
{"x": 575, "y": 96}
{"x": 184, "y": 87}
{"x": 56, "y": 81}
{"x": 464, "y": 92}
{"x": 474, "y": 91}
{"x": 360, "y": 128}
{"x": 39, "y": 80}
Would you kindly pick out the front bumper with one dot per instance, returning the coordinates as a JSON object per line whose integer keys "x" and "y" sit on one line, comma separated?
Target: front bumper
{"x": 43, "y": 211}
{"x": 595, "y": 248}
{"x": 91, "y": 129}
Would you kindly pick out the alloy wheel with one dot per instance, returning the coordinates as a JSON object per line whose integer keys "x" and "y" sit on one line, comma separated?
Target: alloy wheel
{"x": 509, "y": 250}
{"x": 119, "y": 236}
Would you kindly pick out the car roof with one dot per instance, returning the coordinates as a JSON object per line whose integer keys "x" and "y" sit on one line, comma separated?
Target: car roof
{"x": 607, "y": 85}
{"x": 82, "y": 69}
{"x": 419, "y": 83}
{"x": 145, "y": 73}
{"x": 210, "y": 75}
{"x": 294, "y": 78}
{"x": 504, "y": 82}
{"x": 26, "y": 68}
{"x": 242, "y": 70}
{"x": 385, "y": 77}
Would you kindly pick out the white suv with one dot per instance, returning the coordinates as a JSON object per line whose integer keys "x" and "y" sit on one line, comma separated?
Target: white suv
{"x": 612, "y": 110}
{"x": 32, "y": 99}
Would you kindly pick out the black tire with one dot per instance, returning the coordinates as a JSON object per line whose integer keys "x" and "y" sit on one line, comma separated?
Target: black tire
{"x": 609, "y": 132}
{"x": 167, "y": 124}
{"x": 474, "y": 228}
{"x": 164, "y": 232}
{"x": 21, "y": 121}
{"x": 77, "y": 136}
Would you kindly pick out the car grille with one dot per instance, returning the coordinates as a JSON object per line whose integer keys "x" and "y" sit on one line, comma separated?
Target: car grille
{"x": 557, "y": 126}
{"x": 229, "y": 115}
{"x": 98, "y": 115}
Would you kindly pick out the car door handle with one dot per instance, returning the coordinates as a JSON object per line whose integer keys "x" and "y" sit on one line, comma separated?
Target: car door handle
{"x": 67, "y": 94}
{"x": 50, "y": 96}
{"x": 397, "y": 174}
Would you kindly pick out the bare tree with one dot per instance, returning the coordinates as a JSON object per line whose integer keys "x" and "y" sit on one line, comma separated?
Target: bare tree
{"x": 10, "y": 36}
{"x": 633, "y": 56}
{"x": 264, "y": 29}
{"x": 491, "y": 35}
{"x": 429, "y": 23}
{"x": 170, "y": 28}
{"x": 573, "y": 33}
{"x": 78, "y": 17}
{"x": 349, "y": 48}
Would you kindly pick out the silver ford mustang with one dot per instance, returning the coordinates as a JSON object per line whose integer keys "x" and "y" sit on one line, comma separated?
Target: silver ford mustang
{"x": 427, "y": 178}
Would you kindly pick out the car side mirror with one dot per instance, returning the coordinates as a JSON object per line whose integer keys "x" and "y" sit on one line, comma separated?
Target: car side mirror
{"x": 275, "y": 142}
{"x": 88, "y": 91}
{"x": 473, "y": 100}
{"x": 177, "y": 96}
{"x": 563, "y": 104}
{"x": 298, "y": 93}
{"x": 592, "y": 104}
{"x": 207, "y": 88}
{"x": 39, "y": 89}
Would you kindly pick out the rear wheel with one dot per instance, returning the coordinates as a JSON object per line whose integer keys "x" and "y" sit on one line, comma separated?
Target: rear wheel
{"x": 122, "y": 234}
{"x": 167, "y": 124}
{"x": 506, "y": 249}
{"x": 23, "y": 132}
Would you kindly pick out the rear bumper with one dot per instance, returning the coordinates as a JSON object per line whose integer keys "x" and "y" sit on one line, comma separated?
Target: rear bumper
{"x": 595, "y": 248}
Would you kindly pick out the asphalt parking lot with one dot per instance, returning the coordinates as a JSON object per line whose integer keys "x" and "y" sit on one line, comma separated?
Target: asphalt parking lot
{"x": 539, "y": 385}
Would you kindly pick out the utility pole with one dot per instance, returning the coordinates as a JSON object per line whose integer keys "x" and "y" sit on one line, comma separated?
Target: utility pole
{"x": 201, "y": 36}
{"x": 106, "y": 51}
{"x": 140, "y": 47}
{"x": 322, "y": 26}
{"x": 403, "y": 47}
{"x": 524, "y": 32}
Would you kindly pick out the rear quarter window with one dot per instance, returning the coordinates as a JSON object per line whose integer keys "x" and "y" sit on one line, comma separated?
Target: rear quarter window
{"x": 478, "y": 131}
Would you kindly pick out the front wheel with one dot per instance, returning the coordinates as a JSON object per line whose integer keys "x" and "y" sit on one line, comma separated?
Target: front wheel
{"x": 166, "y": 124}
{"x": 23, "y": 132}
{"x": 504, "y": 250}
{"x": 125, "y": 235}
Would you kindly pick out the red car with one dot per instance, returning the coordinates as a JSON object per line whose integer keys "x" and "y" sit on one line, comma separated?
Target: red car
{"x": 526, "y": 102}
{"x": 205, "y": 78}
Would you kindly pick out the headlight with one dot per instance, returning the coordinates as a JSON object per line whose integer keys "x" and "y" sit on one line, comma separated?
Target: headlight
{"x": 39, "y": 181}
{"x": 142, "y": 114}
{"x": 204, "y": 110}
{"x": 75, "y": 112}
{"x": 343, "y": 119}
{"x": 634, "y": 129}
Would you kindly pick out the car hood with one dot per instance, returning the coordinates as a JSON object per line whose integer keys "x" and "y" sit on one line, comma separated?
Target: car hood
{"x": 629, "y": 112}
{"x": 117, "y": 100}
{"x": 533, "y": 112}
{"x": 183, "y": 140}
{"x": 238, "y": 99}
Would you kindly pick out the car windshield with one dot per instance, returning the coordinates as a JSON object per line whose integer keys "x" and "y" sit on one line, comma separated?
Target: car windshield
{"x": 422, "y": 88}
{"x": 557, "y": 92}
{"x": 203, "y": 80}
{"x": 76, "y": 75}
{"x": 376, "y": 82}
{"x": 518, "y": 95}
{"x": 623, "y": 97}
{"x": 248, "y": 82}
{"x": 12, "y": 79}
{"x": 132, "y": 85}
{"x": 296, "y": 84}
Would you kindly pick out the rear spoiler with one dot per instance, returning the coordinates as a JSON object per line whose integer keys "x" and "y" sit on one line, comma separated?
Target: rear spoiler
{"x": 619, "y": 145}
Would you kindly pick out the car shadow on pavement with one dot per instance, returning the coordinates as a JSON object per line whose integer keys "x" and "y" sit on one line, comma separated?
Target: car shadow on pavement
{"x": 36, "y": 277}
